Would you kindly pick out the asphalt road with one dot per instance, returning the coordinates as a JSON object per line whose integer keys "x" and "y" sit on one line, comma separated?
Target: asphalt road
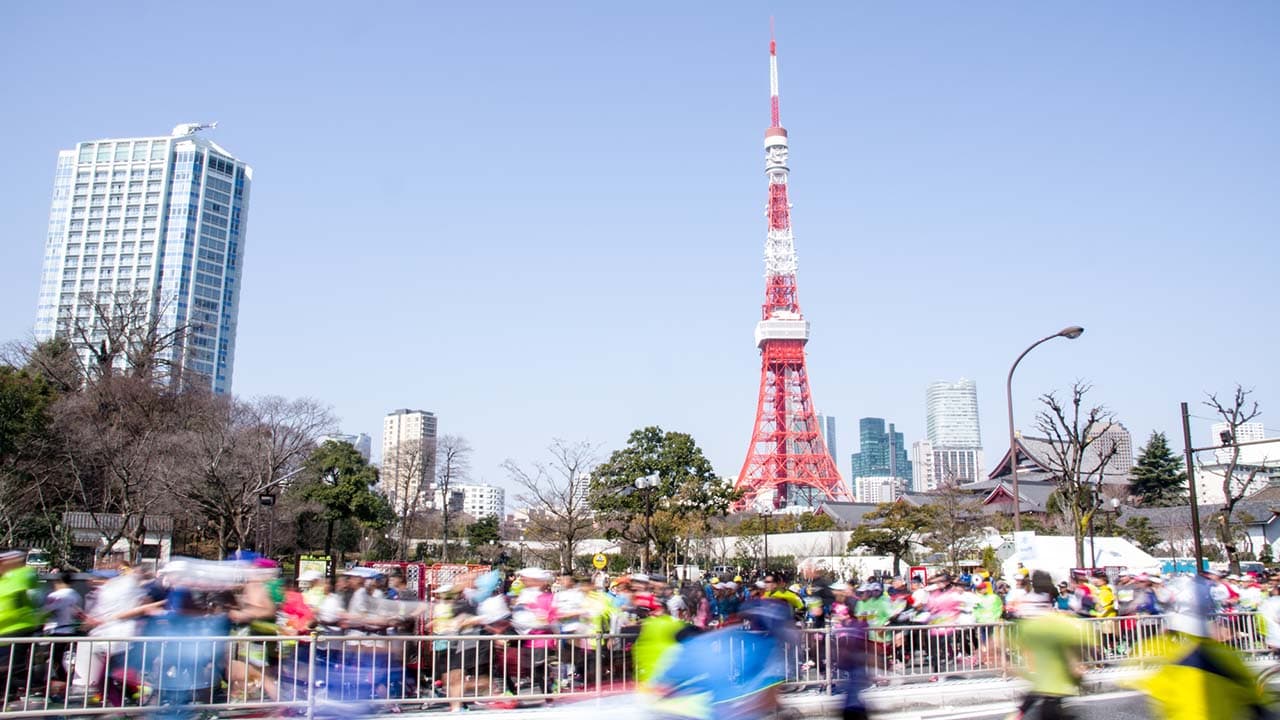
{"x": 1108, "y": 706}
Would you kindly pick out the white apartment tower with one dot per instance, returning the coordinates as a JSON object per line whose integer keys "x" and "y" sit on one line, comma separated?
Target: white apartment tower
{"x": 408, "y": 457}
{"x": 149, "y": 231}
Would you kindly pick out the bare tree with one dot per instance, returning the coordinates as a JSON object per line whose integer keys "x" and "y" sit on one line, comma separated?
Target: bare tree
{"x": 1079, "y": 455}
{"x": 556, "y": 493}
{"x": 126, "y": 332}
{"x": 122, "y": 438}
{"x": 407, "y": 471}
{"x": 242, "y": 450}
{"x": 1239, "y": 480}
{"x": 453, "y": 464}
{"x": 955, "y": 516}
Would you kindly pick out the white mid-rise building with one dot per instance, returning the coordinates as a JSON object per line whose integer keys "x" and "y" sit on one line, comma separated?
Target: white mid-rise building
{"x": 875, "y": 489}
{"x": 149, "y": 232}
{"x": 361, "y": 442}
{"x": 408, "y": 457}
{"x": 475, "y": 499}
{"x": 922, "y": 477}
{"x": 1251, "y": 454}
{"x": 956, "y": 466}
{"x": 934, "y": 467}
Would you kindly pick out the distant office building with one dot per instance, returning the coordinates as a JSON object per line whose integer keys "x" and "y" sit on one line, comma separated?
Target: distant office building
{"x": 1245, "y": 432}
{"x": 955, "y": 439}
{"x": 956, "y": 466}
{"x": 146, "y": 233}
{"x": 408, "y": 457}
{"x": 475, "y": 499}
{"x": 1115, "y": 435}
{"x": 361, "y": 442}
{"x": 827, "y": 426}
{"x": 922, "y": 478}
{"x": 935, "y": 467}
{"x": 881, "y": 452}
{"x": 952, "y": 414}
{"x": 876, "y": 489}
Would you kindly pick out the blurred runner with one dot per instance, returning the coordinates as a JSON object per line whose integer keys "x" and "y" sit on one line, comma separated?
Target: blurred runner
{"x": 1050, "y": 643}
{"x": 729, "y": 674}
{"x": 1201, "y": 679}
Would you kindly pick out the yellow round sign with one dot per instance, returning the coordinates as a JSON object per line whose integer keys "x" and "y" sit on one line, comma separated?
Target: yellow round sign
{"x": 599, "y": 561}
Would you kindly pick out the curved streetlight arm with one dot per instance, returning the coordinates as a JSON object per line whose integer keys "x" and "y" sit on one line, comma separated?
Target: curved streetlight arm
{"x": 1070, "y": 333}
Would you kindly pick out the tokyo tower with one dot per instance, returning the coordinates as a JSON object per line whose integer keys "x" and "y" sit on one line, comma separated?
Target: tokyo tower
{"x": 787, "y": 461}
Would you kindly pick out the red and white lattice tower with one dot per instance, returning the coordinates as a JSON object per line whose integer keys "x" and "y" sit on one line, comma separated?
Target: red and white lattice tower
{"x": 787, "y": 461}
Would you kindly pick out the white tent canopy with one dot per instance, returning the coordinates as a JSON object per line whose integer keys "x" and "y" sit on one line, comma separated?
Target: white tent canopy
{"x": 1057, "y": 554}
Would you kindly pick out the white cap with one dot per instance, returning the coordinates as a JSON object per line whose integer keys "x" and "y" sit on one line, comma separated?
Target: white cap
{"x": 536, "y": 573}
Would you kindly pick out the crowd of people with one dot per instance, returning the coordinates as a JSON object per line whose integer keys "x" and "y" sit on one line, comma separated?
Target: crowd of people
{"x": 575, "y": 632}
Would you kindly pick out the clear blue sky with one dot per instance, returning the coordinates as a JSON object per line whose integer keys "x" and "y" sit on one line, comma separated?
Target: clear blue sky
{"x": 546, "y": 220}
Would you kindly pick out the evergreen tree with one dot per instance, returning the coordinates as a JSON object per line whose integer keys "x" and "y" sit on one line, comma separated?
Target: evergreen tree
{"x": 1158, "y": 478}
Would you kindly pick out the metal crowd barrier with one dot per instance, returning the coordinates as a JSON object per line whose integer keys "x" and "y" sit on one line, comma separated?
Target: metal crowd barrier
{"x": 83, "y": 676}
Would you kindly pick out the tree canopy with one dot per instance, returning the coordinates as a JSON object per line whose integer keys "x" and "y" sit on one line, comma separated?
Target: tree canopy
{"x": 892, "y": 529}
{"x": 687, "y": 493}
{"x": 1158, "y": 478}
{"x": 342, "y": 483}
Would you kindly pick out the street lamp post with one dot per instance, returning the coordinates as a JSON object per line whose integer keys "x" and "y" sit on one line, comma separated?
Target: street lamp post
{"x": 267, "y": 499}
{"x": 765, "y": 515}
{"x": 1071, "y": 333}
{"x": 1099, "y": 507}
{"x": 647, "y": 484}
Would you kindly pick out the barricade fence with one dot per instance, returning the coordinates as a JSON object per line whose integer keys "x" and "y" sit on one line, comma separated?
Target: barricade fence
{"x": 62, "y": 675}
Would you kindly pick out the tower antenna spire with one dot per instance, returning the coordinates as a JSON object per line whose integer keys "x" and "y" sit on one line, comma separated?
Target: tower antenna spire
{"x": 787, "y": 461}
{"x": 773, "y": 78}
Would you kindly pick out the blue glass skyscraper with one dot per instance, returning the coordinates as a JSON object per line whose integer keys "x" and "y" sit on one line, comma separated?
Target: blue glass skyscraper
{"x": 881, "y": 452}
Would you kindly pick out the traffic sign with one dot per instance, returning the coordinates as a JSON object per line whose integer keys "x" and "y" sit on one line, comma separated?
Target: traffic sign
{"x": 600, "y": 561}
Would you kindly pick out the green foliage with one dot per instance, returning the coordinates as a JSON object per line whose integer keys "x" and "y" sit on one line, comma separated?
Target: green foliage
{"x": 891, "y": 529}
{"x": 989, "y": 561}
{"x": 1266, "y": 557}
{"x": 342, "y": 482}
{"x": 801, "y": 522}
{"x": 1032, "y": 523}
{"x": 1159, "y": 479}
{"x": 1139, "y": 531}
{"x": 24, "y": 410}
{"x": 483, "y": 532}
{"x": 688, "y": 492}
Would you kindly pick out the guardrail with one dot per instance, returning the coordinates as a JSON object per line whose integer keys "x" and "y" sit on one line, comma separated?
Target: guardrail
{"x": 46, "y": 676}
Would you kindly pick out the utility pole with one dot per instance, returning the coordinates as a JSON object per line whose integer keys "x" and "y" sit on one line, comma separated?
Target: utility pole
{"x": 1191, "y": 487}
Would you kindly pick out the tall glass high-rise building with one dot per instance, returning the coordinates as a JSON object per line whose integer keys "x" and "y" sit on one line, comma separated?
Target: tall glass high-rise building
{"x": 882, "y": 452}
{"x": 152, "y": 228}
{"x": 827, "y": 428}
{"x": 952, "y": 414}
{"x": 955, "y": 439}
